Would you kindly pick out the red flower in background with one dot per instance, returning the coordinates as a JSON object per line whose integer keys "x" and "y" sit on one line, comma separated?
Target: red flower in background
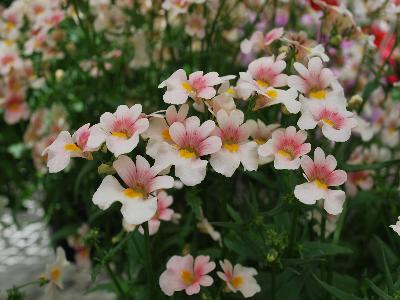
{"x": 315, "y": 6}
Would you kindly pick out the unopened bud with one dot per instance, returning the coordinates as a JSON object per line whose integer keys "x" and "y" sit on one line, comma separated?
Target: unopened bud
{"x": 59, "y": 75}
{"x": 106, "y": 169}
{"x": 355, "y": 102}
{"x": 336, "y": 40}
{"x": 272, "y": 255}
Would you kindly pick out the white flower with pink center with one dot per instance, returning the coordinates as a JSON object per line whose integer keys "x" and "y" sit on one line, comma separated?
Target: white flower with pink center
{"x": 195, "y": 25}
{"x": 190, "y": 141}
{"x": 176, "y": 7}
{"x": 186, "y": 273}
{"x": 258, "y": 41}
{"x": 15, "y": 108}
{"x": 236, "y": 148}
{"x": 158, "y": 131}
{"x": 163, "y": 213}
{"x": 138, "y": 199}
{"x": 239, "y": 278}
{"x": 65, "y": 146}
{"x": 358, "y": 180}
{"x": 321, "y": 174}
{"x": 119, "y": 130}
{"x": 336, "y": 123}
{"x": 9, "y": 58}
{"x": 287, "y": 146}
{"x": 317, "y": 83}
{"x": 197, "y": 86}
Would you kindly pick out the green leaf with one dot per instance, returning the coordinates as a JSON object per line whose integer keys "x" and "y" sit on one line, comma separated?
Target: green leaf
{"x": 194, "y": 202}
{"x": 370, "y": 87}
{"x": 388, "y": 274}
{"x": 378, "y": 291}
{"x": 234, "y": 215}
{"x": 336, "y": 292}
{"x": 316, "y": 249}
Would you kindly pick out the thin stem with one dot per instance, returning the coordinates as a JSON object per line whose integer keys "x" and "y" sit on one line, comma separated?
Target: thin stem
{"x": 148, "y": 262}
{"x": 115, "y": 280}
{"x": 292, "y": 236}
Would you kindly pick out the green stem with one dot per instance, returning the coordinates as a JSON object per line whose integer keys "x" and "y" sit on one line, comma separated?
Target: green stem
{"x": 148, "y": 262}
{"x": 115, "y": 281}
{"x": 292, "y": 236}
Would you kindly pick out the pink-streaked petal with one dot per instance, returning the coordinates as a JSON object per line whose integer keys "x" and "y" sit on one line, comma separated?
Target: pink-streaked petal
{"x": 161, "y": 182}
{"x": 177, "y": 132}
{"x": 210, "y": 145}
{"x": 126, "y": 169}
{"x": 336, "y": 178}
{"x": 207, "y": 93}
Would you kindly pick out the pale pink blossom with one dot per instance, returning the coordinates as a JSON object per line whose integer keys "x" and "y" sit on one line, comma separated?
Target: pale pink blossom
{"x": 119, "y": 130}
{"x": 258, "y": 41}
{"x": 358, "y": 180}
{"x": 158, "y": 130}
{"x": 336, "y": 122}
{"x": 236, "y": 148}
{"x": 186, "y": 273}
{"x": 195, "y": 25}
{"x": 15, "y": 108}
{"x": 261, "y": 133}
{"x": 9, "y": 58}
{"x": 317, "y": 83}
{"x": 287, "y": 146}
{"x": 139, "y": 203}
{"x": 239, "y": 278}
{"x": 190, "y": 142}
{"x": 320, "y": 175}
{"x": 65, "y": 146}
{"x": 163, "y": 213}
{"x": 176, "y": 7}
{"x": 197, "y": 86}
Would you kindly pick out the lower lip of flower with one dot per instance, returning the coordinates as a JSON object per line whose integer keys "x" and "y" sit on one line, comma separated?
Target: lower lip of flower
{"x": 132, "y": 193}
{"x": 320, "y": 184}
{"x": 237, "y": 281}
{"x": 187, "y": 153}
{"x": 319, "y": 95}
{"x": 119, "y": 134}
{"x": 187, "y": 277}
{"x": 231, "y": 147}
{"x": 72, "y": 148}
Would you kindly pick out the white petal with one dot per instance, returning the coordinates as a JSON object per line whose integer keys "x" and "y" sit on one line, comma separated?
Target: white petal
{"x": 108, "y": 192}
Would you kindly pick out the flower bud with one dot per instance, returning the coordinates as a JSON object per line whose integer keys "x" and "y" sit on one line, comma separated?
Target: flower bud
{"x": 355, "y": 102}
{"x": 106, "y": 169}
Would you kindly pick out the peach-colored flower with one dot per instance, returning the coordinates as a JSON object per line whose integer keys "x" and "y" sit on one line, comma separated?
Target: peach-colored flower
{"x": 258, "y": 41}
{"x": 195, "y": 25}
{"x": 15, "y": 108}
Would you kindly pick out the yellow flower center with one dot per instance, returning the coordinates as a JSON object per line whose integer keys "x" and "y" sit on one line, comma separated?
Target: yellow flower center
{"x": 187, "y": 277}
{"x": 260, "y": 141}
{"x": 55, "y": 273}
{"x": 272, "y": 94}
{"x": 9, "y": 26}
{"x": 8, "y": 42}
{"x": 185, "y": 153}
{"x": 320, "y": 184}
{"x": 319, "y": 95}
{"x": 165, "y": 134}
{"x": 187, "y": 86}
{"x": 72, "y": 148}
{"x": 231, "y": 147}
{"x": 262, "y": 83}
{"x": 286, "y": 154}
{"x": 237, "y": 281}
{"x": 230, "y": 91}
{"x": 328, "y": 122}
{"x": 119, "y": 134}
{"x": 131, "y": 193}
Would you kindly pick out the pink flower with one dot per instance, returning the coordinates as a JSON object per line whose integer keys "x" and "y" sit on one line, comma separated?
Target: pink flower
{"x": 64, "y": 147}
{"x": 9, "y": 58}
{"x": 139, "y": 204}
{"x": 321, "y": 174}
{"x": 317, "y": 83}
{"x": 359, "y": 179}
{"x": 197, "y": 86}
{"x": 260, "y": 42}
{"x": 239, "y": 278}
{"x": 163, "y": 213}
{"x": 195, "y": 24}
{"x": 183, "y": 273}
{"x": 190, "y": 142}
{"x": 287, "y": 146}
{"x": 119, "y": 130}
{"x": 158, "y": 131}
{"x": 176, "y": 7}
{"x": 15, "y": 109}
{"x": 336, "y": 122}
{"x": 236, "y": 147}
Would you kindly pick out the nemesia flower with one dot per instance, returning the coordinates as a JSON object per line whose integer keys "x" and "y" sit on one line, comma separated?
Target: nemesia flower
{"x": 396, "y": 227}
{"x": 205, "y": 227}
{"x": 239, "y": 278}
{"x": 195, "y": 25}
{"x": 15, "y": 109}
{"x": 363, "y": 128}
{"x": 359, "y": 179}
{"x": 190, "y": 141}
{"x": 55, "y": 272}
{"x": 336, "y": 122}
{"x": 119, "y": 130}
{"x": 259, "y": 42}
{"x": 287, "y": 145}
{"x": 64, "y": 147}
{"x": 176, "y": 7}
{"x": 163, "y": 213}
{"x": 9, "y": 58}
{"x": 320, "y": 175}
{"x": 184, "y": 273}
{"x": 318, "y": 51}
{"x": 317, "y": 83}
{"x": 158, "y": 130}
{"x": 261, "y": 133}
{"x": 197, "y": 86}
{"x": 139, "y": 204}
{"x": 390, "y": 131}
{"x": 236, "y": 147}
